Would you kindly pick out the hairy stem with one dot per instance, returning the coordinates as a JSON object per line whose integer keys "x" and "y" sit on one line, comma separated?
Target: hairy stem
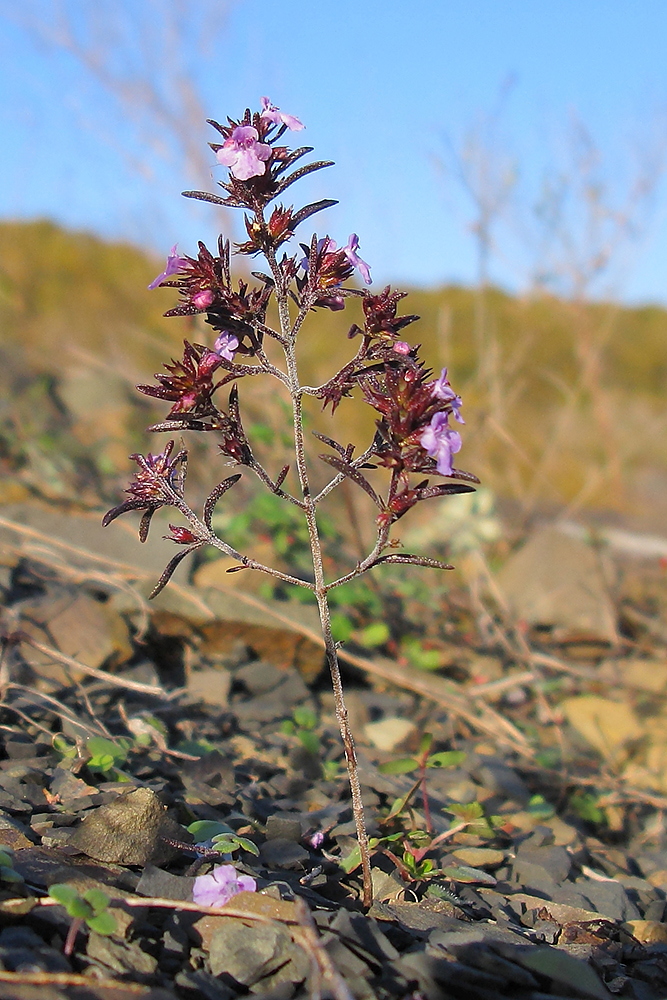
{"x": 320, "y": 587}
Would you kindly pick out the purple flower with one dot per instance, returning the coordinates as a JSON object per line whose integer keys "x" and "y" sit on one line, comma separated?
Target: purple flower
{"x": 225, "y": 345}
{"x": 174, "y": 264}
{"x": 243, "y": 153}
{"x": 316, "y": 839}
{"x": 443, "y": 390}
{"x": 203, "y": 299}
{"x": 218, "y": 887}
{"x": 278, "y": 117}
{"x": 441, "y": 442}
{"x": 350, "y": 252}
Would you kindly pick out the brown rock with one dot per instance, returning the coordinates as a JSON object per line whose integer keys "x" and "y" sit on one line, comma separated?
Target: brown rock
{"x": 129, "y": 831}
{"x": 557, "y": 580}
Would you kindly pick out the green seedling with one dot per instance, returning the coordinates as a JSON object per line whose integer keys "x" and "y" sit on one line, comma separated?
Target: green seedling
{"x": 221, "y": 837}
{"x": 473, "y": 819}
{"x": 7, "y": 871}
{"x": 91, "y": 908}
{"x": 107, "y": 755}
{"x": 302, "y": 725}
{"x": 586, "y": 806}
{"x": 421, "y": 657}
{"x": 103, "y": 756}
{"x": 421, "y": 763}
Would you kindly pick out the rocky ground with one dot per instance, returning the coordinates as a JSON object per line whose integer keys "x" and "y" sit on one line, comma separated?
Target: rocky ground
{"x": 521, "y": 852}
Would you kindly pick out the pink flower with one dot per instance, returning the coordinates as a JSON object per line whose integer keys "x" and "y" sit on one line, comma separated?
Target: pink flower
{"x": 174, "y": 264}
{"x": 443, "y": 390}
{"x": 401, "y": 347}
{"x": 278, "y": 117}
{"x": 441, "y": 443}
{"x": 225, "y": 345}
{"x": 218, "y": 887}
{"x": 350, "y": 252}
{"x": 203, "y": 299}
{"x": 243, "y": 153}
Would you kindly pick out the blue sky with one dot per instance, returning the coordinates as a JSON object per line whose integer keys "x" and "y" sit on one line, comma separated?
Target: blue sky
{"x": 382, "y": 87}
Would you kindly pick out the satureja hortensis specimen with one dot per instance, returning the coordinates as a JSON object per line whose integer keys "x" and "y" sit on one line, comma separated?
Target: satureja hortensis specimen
{"x": 414, "y": 435}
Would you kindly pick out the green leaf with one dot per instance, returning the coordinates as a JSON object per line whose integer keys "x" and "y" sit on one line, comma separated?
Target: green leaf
{"x": 304, "y": 717}
{"x": 538, "y": 806}
{"x": 466, "y": 811}
{"x": 103, "y": 923}
{"x": 373, "y": 635}
{"x": 8, "y": 874}
{"x": 197, "y": 748}
{"x": 6, "y": 858}
{"x": 247, "y": 845}
{"x": 99, "y": 747}
{"x": 448, "y": 758}
{"x": 228, "y": 843}
{"x": 400, "y": 766}
{"x": 310, "y": 741}
{"x": 585, "y": 805}
{"x": 207, "y": 829}
{"x": 97, "y": 899}
{"x": 63, "y": 746}
{"x": 425, "y": 743}
{"x": 63, "y": 893}
{"x": 103, "y": 762}
{"x": 341, "y": 627}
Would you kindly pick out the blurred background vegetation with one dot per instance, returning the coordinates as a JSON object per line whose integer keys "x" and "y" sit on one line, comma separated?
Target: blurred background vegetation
{"x": 565, "y": 411}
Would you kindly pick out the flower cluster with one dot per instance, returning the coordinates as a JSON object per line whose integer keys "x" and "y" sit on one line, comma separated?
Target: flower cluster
{"x": 414, "y": 433}
{"x": 157, "y": 481}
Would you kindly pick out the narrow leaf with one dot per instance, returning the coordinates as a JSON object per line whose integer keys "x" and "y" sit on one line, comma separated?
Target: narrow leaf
{"x": 308, "y": 210}
{"x": 448, "y": 758}
{"x": 332, "y": 444}
{"x": 215, "y": 495}
{"x": 214, "y": 199}
{"x": 281, "y": 476}
{"x": 356, "y": 477}
{"x": 413, "y": 560}
{"x": 301, "y": 172}
{"x": 401, "y": 766}
{"x": 169, "y": 570}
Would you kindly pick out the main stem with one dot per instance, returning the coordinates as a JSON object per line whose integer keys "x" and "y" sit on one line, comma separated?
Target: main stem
{"x": 320, "y": 591}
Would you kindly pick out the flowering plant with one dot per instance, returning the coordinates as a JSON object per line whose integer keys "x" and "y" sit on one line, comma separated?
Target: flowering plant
{"x": 413, "y": 437}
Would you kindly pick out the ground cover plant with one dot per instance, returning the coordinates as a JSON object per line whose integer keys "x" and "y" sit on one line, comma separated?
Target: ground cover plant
{"x": 413, "y": 436}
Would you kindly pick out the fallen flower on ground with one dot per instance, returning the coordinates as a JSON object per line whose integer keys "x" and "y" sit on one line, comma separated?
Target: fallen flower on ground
{"x": 220, "y": 885}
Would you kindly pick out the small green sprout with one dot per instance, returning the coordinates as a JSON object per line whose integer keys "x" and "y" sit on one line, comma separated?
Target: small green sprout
{"x": 302, "y": 725}
{"x": 221, "y": 837}
{"x": 421, "y": 762}
{"x": 7, "y": 871}
{"x": 91, "y": 908}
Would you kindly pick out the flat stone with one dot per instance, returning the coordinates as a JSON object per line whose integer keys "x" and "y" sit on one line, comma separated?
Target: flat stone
{"x": 248, "y": 953}
{"x": 211, "y": 686}
{"x": 387, "y": 734}
{"x": 608, "y": 898}
{"x": 283, "y": 853}
{"x": 479, "y": 857}
{"x": 556, "y": 580}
